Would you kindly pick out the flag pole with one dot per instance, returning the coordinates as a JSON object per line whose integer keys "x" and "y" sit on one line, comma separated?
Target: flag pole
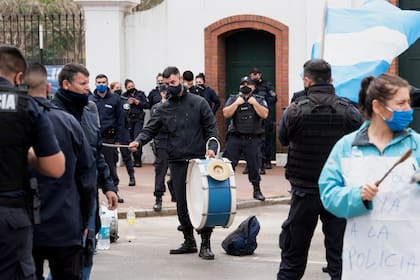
{"x": 324, "y": 23}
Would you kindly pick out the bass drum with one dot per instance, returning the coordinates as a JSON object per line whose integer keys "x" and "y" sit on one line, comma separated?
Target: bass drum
{"x": 211, "y": 193}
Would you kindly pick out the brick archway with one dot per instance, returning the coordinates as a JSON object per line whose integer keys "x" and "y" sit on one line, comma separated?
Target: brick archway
{"x": 215, "y": 56}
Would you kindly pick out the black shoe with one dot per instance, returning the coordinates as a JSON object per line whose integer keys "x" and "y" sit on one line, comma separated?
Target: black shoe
{"x": 188, "y": 247}
{"x": 120, "y": 199}
{"x": 325, "y": 269}
{"x": 268, "y": 165}
{"x": 259, "y": 196}
{"x": 205, "y": 249}
{"x": 137, "y": 164}
{"x": 132, "y": 181}
{"x": 262, "y": 171}
{"x": 245, "y": 170}
{"x": 173, "y": 199}
{"x": 158, "y": 205}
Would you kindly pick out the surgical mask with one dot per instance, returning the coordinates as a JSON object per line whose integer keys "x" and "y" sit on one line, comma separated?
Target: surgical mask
{"x": 245, "y": 90}
{"x": 399, "y": 120}
{"x": 101, "y": 88}
{"x": 172, "y": 91}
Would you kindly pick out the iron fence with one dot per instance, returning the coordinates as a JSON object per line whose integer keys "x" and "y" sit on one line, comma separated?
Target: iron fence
{"x": 48, "y": 39}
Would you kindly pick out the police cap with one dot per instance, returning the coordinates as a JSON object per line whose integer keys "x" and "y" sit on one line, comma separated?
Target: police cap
{"x": 247, "y": 79}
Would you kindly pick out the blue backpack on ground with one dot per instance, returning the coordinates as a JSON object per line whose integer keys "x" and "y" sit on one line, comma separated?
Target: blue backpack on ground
{"x": 243, "y": 240}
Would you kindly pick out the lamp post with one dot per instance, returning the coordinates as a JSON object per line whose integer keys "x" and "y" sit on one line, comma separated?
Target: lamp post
{"x": 41, "y": 44}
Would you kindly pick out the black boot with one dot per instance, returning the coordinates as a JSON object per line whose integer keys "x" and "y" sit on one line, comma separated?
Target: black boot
{"x": 257, "y": 192}
{"x": 205, "y": 250}
{"x": 189, "y": 246}
{"x": 132, "y": 181}
{"x": 158, "y": 205}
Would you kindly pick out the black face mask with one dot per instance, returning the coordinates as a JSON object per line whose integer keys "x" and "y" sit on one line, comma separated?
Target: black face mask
{"x": 118, "y": 91}
{"x": 172, "y": 91}
{"x": 245, "y": 90}
{"x": 131, "y": 90}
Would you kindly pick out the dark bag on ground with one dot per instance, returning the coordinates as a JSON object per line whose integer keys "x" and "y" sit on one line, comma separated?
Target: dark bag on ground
{"x": 243, "y": 241}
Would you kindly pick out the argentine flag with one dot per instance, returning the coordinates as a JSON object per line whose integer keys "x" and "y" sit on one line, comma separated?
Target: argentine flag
{"x": 364, "y": 41}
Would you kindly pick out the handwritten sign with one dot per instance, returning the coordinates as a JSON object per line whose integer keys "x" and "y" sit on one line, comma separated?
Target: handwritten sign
{"x": 385, "y": 243}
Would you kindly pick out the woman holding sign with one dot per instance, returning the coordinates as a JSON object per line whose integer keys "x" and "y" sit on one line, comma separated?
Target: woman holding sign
{"x": 379, "y": 218}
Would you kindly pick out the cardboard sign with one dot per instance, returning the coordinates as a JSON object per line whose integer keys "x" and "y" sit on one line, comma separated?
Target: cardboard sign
{"x": 385, "y": 243}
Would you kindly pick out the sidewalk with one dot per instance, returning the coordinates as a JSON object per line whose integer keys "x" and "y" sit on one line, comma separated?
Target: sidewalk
{"x": 274, "y": 186}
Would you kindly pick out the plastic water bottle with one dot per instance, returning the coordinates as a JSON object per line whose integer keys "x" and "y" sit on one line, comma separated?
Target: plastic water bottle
{"x": 104, "y": 233}
{"x": 131, "y": 221}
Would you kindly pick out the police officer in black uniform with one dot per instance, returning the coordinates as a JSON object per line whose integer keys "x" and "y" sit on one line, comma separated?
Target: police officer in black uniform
{"x": 154, "y": 96}
{"x": 266, "y": 90}
{"x": 245, "y": 132}
{"x": 310, "y": 127}
{"x": 112, "y": 122}
{"x": 23, "y": 125}
{"x": 190, "y": 124}
{"x": 138, "y": 102}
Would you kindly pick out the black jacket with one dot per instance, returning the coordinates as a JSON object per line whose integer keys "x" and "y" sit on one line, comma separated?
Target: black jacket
{"x": 189, "y": 122}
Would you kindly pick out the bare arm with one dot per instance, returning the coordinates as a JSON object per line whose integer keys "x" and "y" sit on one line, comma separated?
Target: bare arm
{"x": 52, "y": 166}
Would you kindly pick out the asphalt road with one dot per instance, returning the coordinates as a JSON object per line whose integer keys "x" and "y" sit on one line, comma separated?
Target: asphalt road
{"x": 147, "y": 257}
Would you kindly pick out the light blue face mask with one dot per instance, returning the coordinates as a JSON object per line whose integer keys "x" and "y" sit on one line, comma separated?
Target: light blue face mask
{"x": 399, "y": 120}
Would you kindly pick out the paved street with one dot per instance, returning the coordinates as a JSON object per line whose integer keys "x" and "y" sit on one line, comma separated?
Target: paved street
{"x": 147, "y": 256}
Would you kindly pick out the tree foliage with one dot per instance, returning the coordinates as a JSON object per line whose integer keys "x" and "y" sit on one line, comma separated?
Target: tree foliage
{"x": 12, "y": 7}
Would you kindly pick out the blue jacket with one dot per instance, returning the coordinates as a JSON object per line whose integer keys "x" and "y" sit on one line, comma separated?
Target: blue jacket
{"x": 345, "y": 201}
{"x": 66, "y": 202}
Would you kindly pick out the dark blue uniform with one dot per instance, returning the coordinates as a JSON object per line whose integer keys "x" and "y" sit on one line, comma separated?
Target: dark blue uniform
{"x": 66, "y": 202}
{"x": 23, "y": 125}
{"x": 136, "y": 119}
{"x": 247, "y": 143}
{"x": 112, "y": 122}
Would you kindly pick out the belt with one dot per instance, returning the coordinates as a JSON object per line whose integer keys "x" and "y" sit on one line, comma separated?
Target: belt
{"x": 246, "y": 136}
{"x": 13, "y": 202}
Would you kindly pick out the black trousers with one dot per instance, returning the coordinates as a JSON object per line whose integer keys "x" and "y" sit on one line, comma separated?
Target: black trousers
{"x": 296, "y": 235}
{"x": 111, "y": 158}
{"x": 65, "y": 262}
{"x": 178, "y": 177}
{"x": 161, "y": 168}
{"x": 251, "y": 148}
{"x": 16, "y": 233}
{"x": 128, "y": 161}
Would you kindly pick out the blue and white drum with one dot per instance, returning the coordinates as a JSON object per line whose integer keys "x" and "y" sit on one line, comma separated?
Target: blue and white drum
{"x": 211, "y": 193}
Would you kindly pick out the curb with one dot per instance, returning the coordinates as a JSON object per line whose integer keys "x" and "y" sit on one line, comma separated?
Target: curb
{"x": 142, "y": 213}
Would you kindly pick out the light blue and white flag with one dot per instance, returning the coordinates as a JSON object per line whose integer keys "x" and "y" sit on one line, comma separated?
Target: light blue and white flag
{"x": 364, "y": 41}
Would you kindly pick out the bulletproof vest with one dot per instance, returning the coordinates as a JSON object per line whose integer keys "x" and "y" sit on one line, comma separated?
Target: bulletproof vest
{"x": 246, "y": 120}
{"x": 15, "y": 138}
{"x": 319, "y": 128}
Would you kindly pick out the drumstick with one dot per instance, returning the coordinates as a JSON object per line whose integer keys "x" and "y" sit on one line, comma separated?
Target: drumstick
{"x": 402, "y": 159}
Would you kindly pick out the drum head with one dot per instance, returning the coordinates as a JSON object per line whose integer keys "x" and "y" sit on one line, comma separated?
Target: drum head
{"x": 218, "y": 170}
{"x": 197, "y": 193}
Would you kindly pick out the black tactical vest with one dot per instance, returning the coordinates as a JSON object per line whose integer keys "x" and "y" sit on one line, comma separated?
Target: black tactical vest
{"x": 246, "y": 120}
{"x": 318, "y": 130}
{"x": 15, "y": 139}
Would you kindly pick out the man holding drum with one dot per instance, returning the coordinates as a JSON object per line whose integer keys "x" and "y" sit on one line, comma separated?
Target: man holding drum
{"x": 190, "y": 123}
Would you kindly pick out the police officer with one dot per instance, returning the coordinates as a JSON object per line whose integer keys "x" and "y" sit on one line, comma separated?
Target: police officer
{"x": 266, "y": 90}
{"x": 112, "y": 121}
{"x": 154, "y": 96}
{"x": 190, "y": 123}
{"x": 58, "y": 237}
{"x": 72, "y": 97}
{"x": 159, "y": 147}
{"x": 23, "y": 125}
{"x": 138, "y": 102}
{"x": 245, "y": 131}
{"x": 310, "y": 127}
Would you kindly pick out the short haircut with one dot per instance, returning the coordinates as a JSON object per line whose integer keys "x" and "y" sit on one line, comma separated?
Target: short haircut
{"x": 12, "y": 60}
{"x": 69, "y": 71}
{"x": 36, "y": 76}
{"x": 188, "y": 76}
{"x": 100, "y": 76}
{"x": 318, "y": 70}
{"x": 170, "y": 70}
